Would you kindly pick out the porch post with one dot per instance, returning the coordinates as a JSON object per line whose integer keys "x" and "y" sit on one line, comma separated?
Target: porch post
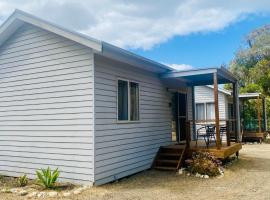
{"x": 259, "y": 114}
{"x": 218, "y": 143}
{"x": 193, "y": 114}
{"x": 264, "y": 114}
{"x": 236, "y": 111}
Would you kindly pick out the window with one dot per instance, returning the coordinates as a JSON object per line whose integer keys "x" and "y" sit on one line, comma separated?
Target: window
{"x": 128, "y": 101}
{"x": 205, "y": 111}
{"x": 200, "y": 111}
{"x": 210, "y": 111}
{"x": 122, "y": 100}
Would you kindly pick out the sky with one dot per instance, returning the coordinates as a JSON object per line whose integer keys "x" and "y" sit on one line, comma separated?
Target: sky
{"x": 183, "y": 34}
{"x": 212, "y": 49}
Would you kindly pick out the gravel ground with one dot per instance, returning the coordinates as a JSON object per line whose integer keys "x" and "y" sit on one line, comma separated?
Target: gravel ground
{"x": 247, "y": 178}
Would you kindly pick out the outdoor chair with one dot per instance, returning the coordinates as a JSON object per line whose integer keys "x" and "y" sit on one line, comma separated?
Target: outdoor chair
{"x": 223, "y": 131}
{"x": 207, "y": 133}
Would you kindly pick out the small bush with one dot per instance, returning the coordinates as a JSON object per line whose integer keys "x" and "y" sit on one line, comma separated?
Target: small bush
{"x": 48, "y": 178}
{"x": 22, "y": 180}
{"x": 205, "y": 163}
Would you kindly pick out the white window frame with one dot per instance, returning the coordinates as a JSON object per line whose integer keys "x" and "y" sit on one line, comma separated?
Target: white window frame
{"x": 205, "y": 108}
{"x": 128, "y": 120}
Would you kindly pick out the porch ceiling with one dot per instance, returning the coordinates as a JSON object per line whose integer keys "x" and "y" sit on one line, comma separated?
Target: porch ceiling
{"x": 198, "y": 77}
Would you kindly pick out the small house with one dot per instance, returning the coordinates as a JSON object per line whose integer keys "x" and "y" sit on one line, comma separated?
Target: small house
{"x": 253, "y": 124}
{"x": 95, "y": 111}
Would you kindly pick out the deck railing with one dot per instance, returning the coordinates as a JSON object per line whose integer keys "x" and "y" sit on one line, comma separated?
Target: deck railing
{"x": 228, "y": 125}
{"x": 252, "y": 125}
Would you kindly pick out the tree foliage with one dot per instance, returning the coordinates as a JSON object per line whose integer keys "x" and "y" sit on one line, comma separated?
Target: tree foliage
{"x": 251, "y": 65}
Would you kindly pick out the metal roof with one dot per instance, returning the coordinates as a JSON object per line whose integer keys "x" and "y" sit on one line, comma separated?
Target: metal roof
{"x": 198, "y": 77}
{"x": 251, "y": 95}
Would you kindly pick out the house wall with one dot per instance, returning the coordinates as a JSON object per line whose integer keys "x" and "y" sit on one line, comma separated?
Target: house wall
{"x": 204, "y": 94}
{"x": 122, "y": 149}
{"x": 46, "y": 105}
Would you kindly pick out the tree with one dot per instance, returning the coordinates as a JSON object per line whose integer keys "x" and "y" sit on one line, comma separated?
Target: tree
{"x": 251, "y": 66}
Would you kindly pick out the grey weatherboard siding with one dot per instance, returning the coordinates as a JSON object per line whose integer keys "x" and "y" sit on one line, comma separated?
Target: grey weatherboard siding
{"x": 47, "y": 114}
{"x": 46, "y": 105}
{"x": 122, "y": 149}
{"x": 58, "y": 105}
{"x": 204, "y": 94}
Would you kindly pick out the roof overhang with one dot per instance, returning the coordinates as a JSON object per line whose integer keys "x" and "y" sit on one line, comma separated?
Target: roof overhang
{"x": 198, "y": 77}
{"x": 18, "y": 18}
{"x": 122, "y": 55}
{"x": 246, "y": 96}
{"x": 227, "y": 92}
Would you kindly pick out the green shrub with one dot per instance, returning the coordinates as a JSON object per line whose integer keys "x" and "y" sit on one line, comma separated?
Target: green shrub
{"x": 205, "y": 163}
{"x": 22, "y": 180}
{"x": 48, "y": 178}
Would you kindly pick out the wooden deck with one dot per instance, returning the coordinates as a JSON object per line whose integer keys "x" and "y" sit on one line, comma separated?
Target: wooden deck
{"x": 258, "y": 136}
{"x": 222, "y": 153}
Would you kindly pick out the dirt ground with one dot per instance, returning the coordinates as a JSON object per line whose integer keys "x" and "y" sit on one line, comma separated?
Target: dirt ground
{"x": 248, "y": 178}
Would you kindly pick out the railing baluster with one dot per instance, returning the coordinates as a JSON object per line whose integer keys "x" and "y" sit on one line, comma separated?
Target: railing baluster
{"x": 228, "y": 133}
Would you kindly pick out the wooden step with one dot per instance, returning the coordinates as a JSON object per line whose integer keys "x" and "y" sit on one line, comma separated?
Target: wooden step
{"x": 170, "y": 154}
{"x": 165, "y": 168}
{"x": 169, "y": 157}
{"x": 170, "y": 150}
{"x": 168, "y": 161}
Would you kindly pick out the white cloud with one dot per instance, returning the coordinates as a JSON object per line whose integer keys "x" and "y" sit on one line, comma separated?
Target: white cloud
{"x": 141, "y": 23}
{"x": 181, "y": 67}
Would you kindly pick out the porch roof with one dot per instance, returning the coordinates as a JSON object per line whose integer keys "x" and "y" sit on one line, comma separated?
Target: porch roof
{"x": 198, "y": 77}
{"x": 250, "y": 96}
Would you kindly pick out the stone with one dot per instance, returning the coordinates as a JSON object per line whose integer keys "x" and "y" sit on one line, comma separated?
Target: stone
{"x": 66, "y": 194}
{"x": 197, "y": 175}
{"x": 32, "y": 194}
{"x": 180, "y": 172}
{"x": 78, "y": 191}
{"x": 188, "y": 174}
{"x": 14, "y": 190}
{"x": 41, "y": 194}
{"x": 23, "y": 192}
{"x": 52, "y": 194}
{"x": 206, "y": 176}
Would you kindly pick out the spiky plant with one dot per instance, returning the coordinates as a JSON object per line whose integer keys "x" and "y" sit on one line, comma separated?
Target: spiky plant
{"x": 23, "y": 180}
{"x": 47, "y": 177}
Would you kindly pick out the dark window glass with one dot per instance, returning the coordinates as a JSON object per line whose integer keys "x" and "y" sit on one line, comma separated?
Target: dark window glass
{"x": 122, "y": 100}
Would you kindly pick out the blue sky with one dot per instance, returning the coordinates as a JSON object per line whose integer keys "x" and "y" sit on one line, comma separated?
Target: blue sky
{"x": 206, "y": 49}
{"x": 179, "y": 33}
